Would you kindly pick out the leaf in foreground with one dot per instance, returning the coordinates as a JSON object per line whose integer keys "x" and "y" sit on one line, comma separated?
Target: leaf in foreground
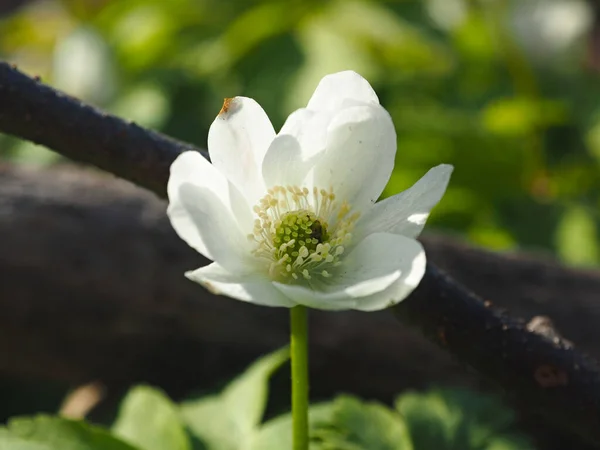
{"x": 228, "y": 421}
{"x": 276, "y": 434}
{"x": 456, "y": 419}
{"x": 358, "y": 425}
{"x": 55, "y": 433}
{"x": 150, "y": 420}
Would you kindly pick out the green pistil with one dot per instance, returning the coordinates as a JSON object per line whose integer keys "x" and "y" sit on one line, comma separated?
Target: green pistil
{"x": 304, "y": 228}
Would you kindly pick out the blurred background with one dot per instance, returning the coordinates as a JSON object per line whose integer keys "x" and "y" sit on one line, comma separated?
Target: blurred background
{"x": 506, "y": 90}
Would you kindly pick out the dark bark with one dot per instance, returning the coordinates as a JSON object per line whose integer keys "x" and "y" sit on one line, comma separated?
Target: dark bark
{"x": 552, "y": 378}
{"x": 538, "y": 369}
{"x": 38, "y": 113}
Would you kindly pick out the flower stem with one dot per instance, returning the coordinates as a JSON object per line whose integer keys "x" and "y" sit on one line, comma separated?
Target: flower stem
{"x": 299, "y": 353}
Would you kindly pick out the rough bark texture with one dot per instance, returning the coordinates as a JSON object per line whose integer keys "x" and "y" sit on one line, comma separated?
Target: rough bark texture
{"x": 36, "y": 112}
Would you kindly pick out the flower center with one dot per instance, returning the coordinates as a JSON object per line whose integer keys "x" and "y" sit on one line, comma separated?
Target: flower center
{"x": 299, "y": 229}
{"x": 300, "y": 235}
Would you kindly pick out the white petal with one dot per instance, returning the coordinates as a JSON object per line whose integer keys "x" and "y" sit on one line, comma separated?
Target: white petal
{"x": 359, "y": 159}
{"x": 407, "y": 212}
{"x": 191, "y": 167}
{"x": 283, "y": 164}
{"x": 201, "y": 219}
{"x": 309, "y": 128}
{"x": 237, "y": 142}
{"x": 381, "y": 270}
{"x": 397, "y": 291}
{"x": 250, "y": 287}
{"x": 316, "y": 299}
{"x": 296, "y": 148}
{"x": 334, "y": 89}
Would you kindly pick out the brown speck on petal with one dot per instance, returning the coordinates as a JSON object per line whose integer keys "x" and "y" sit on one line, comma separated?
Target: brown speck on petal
{"x": 226, "y": 105}
{"x": 548, "y": 376}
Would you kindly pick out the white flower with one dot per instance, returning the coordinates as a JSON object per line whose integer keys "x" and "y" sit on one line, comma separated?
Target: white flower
{"x": 290, "y": 218}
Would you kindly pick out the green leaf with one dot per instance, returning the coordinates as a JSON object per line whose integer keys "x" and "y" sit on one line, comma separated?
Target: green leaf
{"x": 276, "y": 434}
{"x": 357, "y": 425}
{"x": 151, "y": 421}
{"x": 512, "y": 441}
{"x": 55, "y": 433}
{"x": 432, "y": 422}
{"x": 515, "y": 116}
{"x": 10, "y": 442}
{"x": 228, "y": 421}
{"x": 458, "y": 419}
{"x": 577, "y": 237}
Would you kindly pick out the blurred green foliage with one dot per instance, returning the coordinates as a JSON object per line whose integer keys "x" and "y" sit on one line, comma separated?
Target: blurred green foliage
{"x": 506, "y": 90}
{"x": 233, "y": 420}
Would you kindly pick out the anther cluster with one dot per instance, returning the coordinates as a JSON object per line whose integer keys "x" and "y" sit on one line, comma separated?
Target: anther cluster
{"x": 301, "y": 234}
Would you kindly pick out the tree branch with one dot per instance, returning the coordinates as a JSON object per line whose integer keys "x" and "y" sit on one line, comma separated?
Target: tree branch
{"x": 38, "y": 113}
{"x": 547, "y": 375}
{"x": 534, "y": 365}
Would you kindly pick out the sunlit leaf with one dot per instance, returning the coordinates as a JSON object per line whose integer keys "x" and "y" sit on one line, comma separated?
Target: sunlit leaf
{"x": 11, "y": 442}
{"x": 149, "y": 420}
{"x": 146, "y": 104}
{"x": 444, "y": 419}
{"x": 516, "y": 116}
{"x": 55, "y": 433}
{"x": 143, "y": 34}
{"x": 276, "y": 434}
{"x": 229, "y": 420}
{"x": 358, "y": 425}
{"x": 25, "y": 152}
{"x": 577, "y": 237}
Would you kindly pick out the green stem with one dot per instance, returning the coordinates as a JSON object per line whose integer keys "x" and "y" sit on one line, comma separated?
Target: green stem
{"x": 299, "y": 353}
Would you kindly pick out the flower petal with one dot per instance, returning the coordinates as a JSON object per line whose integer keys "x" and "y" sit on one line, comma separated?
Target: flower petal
{"x": 237, "y": 142}
{"x": 359, "y": 159}
{"x": 336, "y": 88}
{"x": 304, "y": 136}
{"x": 316, "y": 299}
{"x": 406, "y": 213}
{"x": 296, "y": 148}
{"x": 201, "y": 219}
{"x": 250, "y": 287}
{"x": 397, "y": 291}
{"x": 381, "y": 270}
{"x": 309, "y": 128}
{"x": 191, "y": 167}
{"x": 283, "y": 164}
